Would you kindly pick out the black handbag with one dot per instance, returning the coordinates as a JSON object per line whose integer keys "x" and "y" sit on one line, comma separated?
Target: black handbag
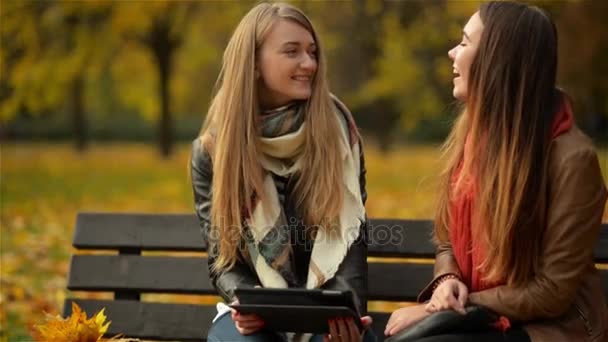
{"x": 477, "y": 318}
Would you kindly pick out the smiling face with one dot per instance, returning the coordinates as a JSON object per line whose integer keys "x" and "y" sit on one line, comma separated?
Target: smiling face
{"x": 462, "y": 55}
{"x": 287, "y": 63}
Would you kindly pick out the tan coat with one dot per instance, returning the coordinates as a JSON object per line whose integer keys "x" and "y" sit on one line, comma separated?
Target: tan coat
{"x": 565, "y": 301}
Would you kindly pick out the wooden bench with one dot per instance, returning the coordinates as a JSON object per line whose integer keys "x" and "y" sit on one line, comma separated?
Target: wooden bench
{"x": 149, "y": 258}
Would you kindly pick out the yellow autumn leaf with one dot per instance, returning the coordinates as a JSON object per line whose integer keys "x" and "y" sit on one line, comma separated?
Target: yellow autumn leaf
{"x": 76, "y": 328}
{"x": 100, "y": 318}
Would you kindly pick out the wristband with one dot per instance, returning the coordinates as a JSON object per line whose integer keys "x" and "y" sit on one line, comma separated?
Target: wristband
{"x": 442, "y": 279}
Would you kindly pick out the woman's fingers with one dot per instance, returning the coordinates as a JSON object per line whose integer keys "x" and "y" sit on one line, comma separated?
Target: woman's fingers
{"x": 455, "y": 305}
{"x": 451, "y": 299}
{"x": 451, "y": 294}
{"x": 247, "y": 324}
{"x": 333, "y": 329}
{"x": 394, "y": 327}
{"x": 247, "y": 330}
{"x": 448, "y": 301}
{"x": 366, "y": 321}
{"x": 390, "y": 323}
{"x": 246, "y": 318}
{"x": 342, "y": 329}
{"x": 397, "y": 327}
{"x": 445, "y": 299}
{"x": 250, "y": 324}
{"x": 353, "y": 330}
{"x": 405, "y": 317}
{"x": 463, "y": 294}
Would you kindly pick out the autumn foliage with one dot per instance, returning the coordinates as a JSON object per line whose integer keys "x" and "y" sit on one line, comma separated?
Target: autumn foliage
{"x": 76, "y": 328}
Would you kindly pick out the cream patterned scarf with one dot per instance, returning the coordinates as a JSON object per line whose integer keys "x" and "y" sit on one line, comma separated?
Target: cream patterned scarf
{"x": 268, "y": 234}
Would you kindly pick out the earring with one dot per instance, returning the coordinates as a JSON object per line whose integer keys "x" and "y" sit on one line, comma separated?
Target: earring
{"x": 256, "y": 74}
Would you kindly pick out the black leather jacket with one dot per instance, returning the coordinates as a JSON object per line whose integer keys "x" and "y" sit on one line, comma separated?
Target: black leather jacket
{"x": 351, "y": 275}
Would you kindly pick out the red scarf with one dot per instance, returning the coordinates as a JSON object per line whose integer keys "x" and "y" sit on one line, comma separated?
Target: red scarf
{"x": 470, "y": 251}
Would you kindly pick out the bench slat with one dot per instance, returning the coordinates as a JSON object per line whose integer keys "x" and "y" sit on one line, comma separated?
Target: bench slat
{"x": 169, "y": 232}
{"x": 156, "y": 321}
{"x": 181, "y": 232}
{"x": 400, "y": 238}
{"x": 397, "y": 282}
{"x": 189, "y": 275}
{"x": 600, "y": 252}
{"x": 142, "y": 273}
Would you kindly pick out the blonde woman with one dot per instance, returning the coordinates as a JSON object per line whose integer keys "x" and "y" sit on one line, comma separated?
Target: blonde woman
{"x": 522, "y": 200}
{"x": 278, "y": 174}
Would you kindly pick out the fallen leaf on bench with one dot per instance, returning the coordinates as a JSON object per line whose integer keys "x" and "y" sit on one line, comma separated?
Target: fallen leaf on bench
{"x": 76, "y": 328}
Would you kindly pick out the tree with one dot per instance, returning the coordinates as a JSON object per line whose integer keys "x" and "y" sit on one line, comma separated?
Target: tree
{"x": 583, "y": 62}
{"x": 49, "y": 52}
{"x": 350, "y": 57}
{"x": 411, "y": 80}
{"x": 160, "y": 38}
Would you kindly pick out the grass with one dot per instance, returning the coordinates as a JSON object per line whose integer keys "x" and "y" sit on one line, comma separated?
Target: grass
{"x": 43, "y": 187}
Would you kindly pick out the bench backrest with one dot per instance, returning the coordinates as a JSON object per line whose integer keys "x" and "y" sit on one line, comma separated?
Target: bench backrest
{"x": 136, "y": 268}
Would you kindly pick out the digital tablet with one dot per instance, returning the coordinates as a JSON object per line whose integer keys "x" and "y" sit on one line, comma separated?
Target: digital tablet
{"x": 297, "y": 310}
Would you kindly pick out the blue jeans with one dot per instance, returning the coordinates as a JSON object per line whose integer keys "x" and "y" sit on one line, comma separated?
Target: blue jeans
{"x": 224, "y": 330}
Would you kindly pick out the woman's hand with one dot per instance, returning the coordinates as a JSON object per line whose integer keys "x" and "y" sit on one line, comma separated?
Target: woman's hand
{"x": 345, "y": 329}
{"x": 405, "y": 317}
{"x": 451, "y": 294}
{"x": 246, "y": 324}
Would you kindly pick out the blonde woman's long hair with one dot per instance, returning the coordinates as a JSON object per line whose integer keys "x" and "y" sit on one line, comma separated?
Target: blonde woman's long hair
{"x": 231, "y": 126}
{"x": 507, "y": 116}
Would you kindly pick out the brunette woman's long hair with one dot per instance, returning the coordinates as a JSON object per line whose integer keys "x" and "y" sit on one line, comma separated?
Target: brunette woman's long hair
{"x": 508, "y": 113}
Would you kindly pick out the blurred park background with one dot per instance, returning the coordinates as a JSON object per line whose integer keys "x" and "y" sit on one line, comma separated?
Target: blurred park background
{"x": 99, "y": 101}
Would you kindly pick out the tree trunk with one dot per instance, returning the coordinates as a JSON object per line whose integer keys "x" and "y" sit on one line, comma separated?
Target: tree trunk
{"x": 162, "y": 48}
{"x": 166, "y": 123}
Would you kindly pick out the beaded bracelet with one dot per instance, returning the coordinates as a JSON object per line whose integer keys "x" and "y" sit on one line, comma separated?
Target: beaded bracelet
{"x": 442, "y": 279}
